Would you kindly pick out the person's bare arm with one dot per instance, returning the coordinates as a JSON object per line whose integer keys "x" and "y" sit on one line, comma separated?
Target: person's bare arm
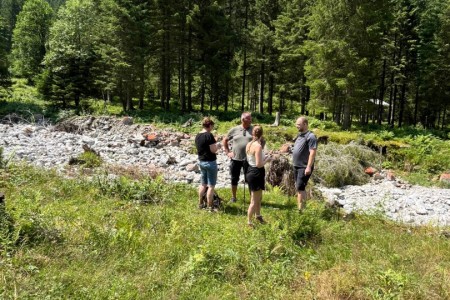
{"x": 260, "y": 162}
{"x": 312, "y": 156}
{"x": 226, "y": 149}
{"x": 215, "y": 147}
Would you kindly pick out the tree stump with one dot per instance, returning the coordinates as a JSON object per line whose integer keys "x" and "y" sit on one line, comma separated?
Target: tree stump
{"x": 277, "y": 119}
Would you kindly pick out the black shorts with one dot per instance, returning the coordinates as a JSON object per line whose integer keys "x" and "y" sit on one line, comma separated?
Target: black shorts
{"x": 235, "y": 170}
{"x": 256, "y": 178}
{"x": 301, "y": 180}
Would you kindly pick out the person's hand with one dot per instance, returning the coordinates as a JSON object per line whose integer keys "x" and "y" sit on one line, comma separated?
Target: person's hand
{"x": 308, "y": 170}
{"x": 230, "y": 154}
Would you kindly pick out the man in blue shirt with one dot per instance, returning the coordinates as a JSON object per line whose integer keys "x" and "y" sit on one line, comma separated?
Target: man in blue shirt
{"x": 303, "y": 156}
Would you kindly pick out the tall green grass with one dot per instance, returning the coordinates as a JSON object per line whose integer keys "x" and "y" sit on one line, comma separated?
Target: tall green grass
{"x": 98, "y": 239}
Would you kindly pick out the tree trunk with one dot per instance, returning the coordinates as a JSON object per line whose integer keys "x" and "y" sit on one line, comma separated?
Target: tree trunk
{"x": 262, "y": 76}
{"x": 141, "y": 86}
{"x": 182, "y": 70}
{"x": 416, "y": 104}
{"x": 444, "y": 115}
{"x": 271, "y": 89}
{"x": 189, "y": 69}
{"x": 394, "y": 100}
{"x": 304, "y": 95}
{"x": 277, "y": 119}
{"x": 129, "y": 97}
{"x": 168, "y": 72}
{"x": 254, "y": 92}
{"x": 402, "y": 105}
{"x": 382, "y": 88}
{"x": 280, "y": 102}
{"x": 227, "y": 92}
{"x": 182, "y": 85}
{"x": 202, "y": 93}
{"x": 244, "y": 66}
{"x": 337, "y": 108}
{"x": 163, "y": 78}
{"x": 347, "y": 115}
{"x": 392, "y": 89}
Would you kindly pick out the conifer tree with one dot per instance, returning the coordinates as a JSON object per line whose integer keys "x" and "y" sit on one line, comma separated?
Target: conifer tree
{"x": 29, "y": 38}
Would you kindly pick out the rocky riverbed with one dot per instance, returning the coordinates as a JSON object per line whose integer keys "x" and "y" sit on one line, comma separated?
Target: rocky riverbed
{"x": 395, "y": 199}
{"x": 117, "y": 141}
{"x": 120, "y": 142}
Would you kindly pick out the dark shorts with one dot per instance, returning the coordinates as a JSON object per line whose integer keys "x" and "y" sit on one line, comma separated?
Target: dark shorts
{"x": 301, "y": 180}
{"x": 256, "y": 178}
{"x": 235, "y": 170}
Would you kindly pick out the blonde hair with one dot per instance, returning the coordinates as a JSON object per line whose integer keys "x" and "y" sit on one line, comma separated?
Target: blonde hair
{"x": 257, "y": 134}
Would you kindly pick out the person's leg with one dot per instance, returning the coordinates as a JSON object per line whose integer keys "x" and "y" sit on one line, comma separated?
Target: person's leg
{"x": 257, "y": 197}
{"x": 301, "y": 182}
{"x": 203, "y": 184}
{"x": 201, "y": 193}
{"x": 251, "y": 209}
{"x": 210, "y": 195}
{"x": 211, "y": 179}
{"x": 301, "y": 200}
{"x": 235, "y": 171}
{"x": 233, "y": 191}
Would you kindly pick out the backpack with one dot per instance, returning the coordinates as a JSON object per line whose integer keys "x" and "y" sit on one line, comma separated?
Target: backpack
{"x": 217, "y": 201}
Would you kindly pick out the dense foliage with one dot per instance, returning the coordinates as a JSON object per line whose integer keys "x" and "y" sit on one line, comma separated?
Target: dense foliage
{"x": 385, "y": 61}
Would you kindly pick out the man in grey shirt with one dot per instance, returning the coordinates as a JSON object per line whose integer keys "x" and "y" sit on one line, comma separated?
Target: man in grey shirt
{"x": 303, "y": 156}
{"x": 239, "y": 136}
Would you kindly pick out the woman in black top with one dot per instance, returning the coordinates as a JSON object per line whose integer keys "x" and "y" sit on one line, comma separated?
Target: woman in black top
{"x": 207, "y": 148}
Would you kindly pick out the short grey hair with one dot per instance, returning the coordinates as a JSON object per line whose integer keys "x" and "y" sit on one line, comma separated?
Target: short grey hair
{"x": 245, "y": 114}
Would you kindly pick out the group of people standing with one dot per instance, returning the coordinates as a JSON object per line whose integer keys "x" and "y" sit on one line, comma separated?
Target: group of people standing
{"x": 247, "y": 153}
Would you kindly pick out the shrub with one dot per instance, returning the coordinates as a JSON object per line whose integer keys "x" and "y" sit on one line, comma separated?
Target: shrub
{"x": 425, "y": 153}
{"x": 302, "y": 229}
{"x": 90, "y": 159}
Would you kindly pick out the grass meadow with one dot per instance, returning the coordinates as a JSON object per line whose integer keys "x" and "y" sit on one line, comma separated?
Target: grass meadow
{"x": 128, "y": 238}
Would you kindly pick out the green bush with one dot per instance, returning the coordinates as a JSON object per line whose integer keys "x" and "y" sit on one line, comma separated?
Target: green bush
{"x": 90, "y": 159}
{"x": 425, "y": 153}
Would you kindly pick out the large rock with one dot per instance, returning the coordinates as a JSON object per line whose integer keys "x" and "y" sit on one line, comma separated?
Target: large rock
{"x": 127, "y": 121}
{"x": 445, "y": 178}
{"x": 192, "y": 168}
{"x": 370, "y": 171}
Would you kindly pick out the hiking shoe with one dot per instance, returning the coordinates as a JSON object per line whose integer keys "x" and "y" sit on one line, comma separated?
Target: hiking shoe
{"x": 202, "y": 206}
{"x": 233, "y": 200}
{"x": 261, "y": 220}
